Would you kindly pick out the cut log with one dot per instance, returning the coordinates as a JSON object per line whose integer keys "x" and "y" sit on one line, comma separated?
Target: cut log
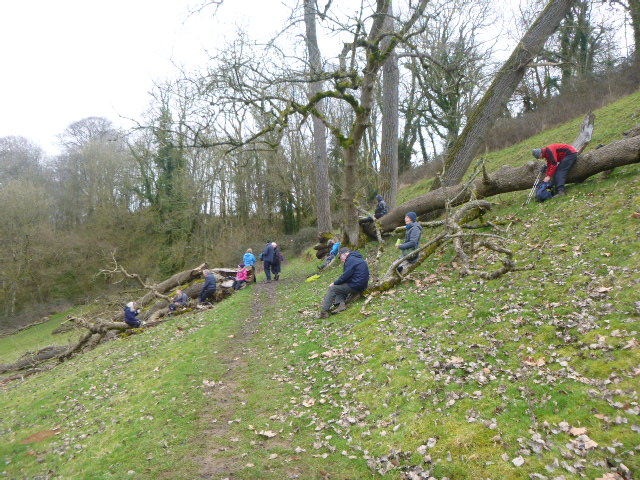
{"x": 511, "y": 179}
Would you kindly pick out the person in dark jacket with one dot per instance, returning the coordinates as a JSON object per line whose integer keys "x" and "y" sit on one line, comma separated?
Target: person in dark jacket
{"x": 354, "y": 279}
{"x": 131, "y": 312}
{"x": 382, "y": 209}
{"x": 209, "y": 287}
{"x": 560, "y": 158}
{"x": 180, "y": 300}
{"x": 268, "y": 257}
{"x": 276, "y": 266}
{"x": 412, "y": 236}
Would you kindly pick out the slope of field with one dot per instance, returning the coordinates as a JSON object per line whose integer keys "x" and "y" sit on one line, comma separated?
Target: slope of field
{"x": 532, "y": 375}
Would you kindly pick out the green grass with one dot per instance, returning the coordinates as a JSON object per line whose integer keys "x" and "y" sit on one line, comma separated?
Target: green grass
{"x": 35, "y": 338}
{"x": 446, "y": 360}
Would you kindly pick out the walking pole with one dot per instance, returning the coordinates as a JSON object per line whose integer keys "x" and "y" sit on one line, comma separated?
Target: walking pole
{"x": 533, "y": 189}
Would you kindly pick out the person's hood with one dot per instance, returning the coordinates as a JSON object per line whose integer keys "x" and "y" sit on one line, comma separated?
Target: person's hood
{"x": 355, "y": 254}
{"x": 130, "y": 305}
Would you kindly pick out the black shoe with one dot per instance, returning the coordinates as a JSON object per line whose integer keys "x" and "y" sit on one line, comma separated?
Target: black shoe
{"x": 277, "y": 277}
{"x": 561, "y": 193}
{"x": 324, "y": 314}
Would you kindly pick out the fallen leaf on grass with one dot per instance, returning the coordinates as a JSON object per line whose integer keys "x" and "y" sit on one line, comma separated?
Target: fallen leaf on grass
{"x": 41, "y": 435}
{"x": 577, "y": 431}
{"x": 267, "y": 433}
{"x": 533, "y": 362}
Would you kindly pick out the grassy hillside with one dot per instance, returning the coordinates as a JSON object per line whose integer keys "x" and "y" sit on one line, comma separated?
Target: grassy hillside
{"x": 533, "y": 375}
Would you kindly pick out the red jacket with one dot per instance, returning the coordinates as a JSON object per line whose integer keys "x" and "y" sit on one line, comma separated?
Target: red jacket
{"x": 554, "y": 154}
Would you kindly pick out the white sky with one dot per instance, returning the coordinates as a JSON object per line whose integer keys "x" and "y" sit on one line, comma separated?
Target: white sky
{"x": 64, "y": 60}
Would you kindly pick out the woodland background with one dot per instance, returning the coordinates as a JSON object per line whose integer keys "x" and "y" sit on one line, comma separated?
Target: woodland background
{"x": 189, "y": 185}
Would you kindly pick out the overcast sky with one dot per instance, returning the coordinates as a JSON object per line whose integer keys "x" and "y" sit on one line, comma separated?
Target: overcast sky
{"x": 64, "y": 60}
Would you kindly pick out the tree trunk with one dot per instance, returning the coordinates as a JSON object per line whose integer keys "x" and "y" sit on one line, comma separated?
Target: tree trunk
{"x": 390, "y": 102}
{"x": 485, "y": 113}
{"x": 323, "y": 206}
{"x": 511, "y": 179}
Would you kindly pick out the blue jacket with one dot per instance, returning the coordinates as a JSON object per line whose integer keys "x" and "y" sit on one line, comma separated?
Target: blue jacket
{"x": 210, "y": 282}
{"x": 181, "y": 299}
{"x": 130, "y": 316}
{"x": 268, "y": 254}
{"x": 334, "y": 250}
{"x": 544, "y": 191}
{"x": 412, "y": 238}
{"x": 249, "y": 259}
{"x": 356, "y": 272}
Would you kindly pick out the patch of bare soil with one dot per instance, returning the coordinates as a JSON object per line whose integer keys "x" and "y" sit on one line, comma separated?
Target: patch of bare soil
{"x": 219, "y": 460}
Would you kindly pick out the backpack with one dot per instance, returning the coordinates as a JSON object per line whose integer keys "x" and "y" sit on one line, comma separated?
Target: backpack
{"x": 545, "y": 191}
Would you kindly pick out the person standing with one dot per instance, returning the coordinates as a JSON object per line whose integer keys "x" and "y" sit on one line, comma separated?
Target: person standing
{"x": 560, "y": 158}
{"x": 268, "y": 258}
{"x": 249, "y": 261}
{"x": 354, "y": 279}
{"x": 276, "y": 266}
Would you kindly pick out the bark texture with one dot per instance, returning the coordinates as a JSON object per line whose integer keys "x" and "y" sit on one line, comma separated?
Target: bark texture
{"x": 494, "y": 101}
{"x": 390, "y": 110}
{"x": 323, "y": 207}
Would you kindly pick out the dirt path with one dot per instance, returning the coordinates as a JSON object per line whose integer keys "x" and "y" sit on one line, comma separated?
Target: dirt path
{"x": 219, "y": 460}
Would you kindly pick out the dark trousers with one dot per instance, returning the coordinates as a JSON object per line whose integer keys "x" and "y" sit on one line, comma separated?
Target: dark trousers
{"x": 237, "y": 284}
{"x": 336, "y": 294}
{"x": 205, "y": 294}
{"x": 560, "y": 176}
{"x": 135, "y": 325}
{"x": 270, "y": 268}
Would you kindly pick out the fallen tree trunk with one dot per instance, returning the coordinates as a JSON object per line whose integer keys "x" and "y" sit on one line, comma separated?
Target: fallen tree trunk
{"x": 511, "y": 179}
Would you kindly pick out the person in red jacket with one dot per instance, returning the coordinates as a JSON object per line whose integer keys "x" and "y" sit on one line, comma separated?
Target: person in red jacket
{"x": 560, "y": 158}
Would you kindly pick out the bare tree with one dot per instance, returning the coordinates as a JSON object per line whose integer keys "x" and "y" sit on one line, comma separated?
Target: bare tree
{"x": 390, "y": 112}
{"x": 500, "y": 91}
{"x": 323, "y": 205}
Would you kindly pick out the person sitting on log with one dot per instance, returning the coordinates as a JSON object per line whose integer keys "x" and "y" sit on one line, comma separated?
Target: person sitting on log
{"x": 209, "y": 287}
{"x": 354, "y": 280}
{"x": 180, "y": 300}
{"x": 241, "y": 278}
{"x": 249, "y": 261}
{"x": 560, "y": 158}
{"x": 412, "y": 238}
{"x": 131, "y": 315}
{"x": 382, "y": 209}
{"x": 332, "y": 254}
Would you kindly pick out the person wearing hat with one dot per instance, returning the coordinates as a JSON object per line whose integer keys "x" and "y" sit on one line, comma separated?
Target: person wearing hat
{"x": 209, "y": 287}
{"x": 560, "y": 158}
{"x": 354, "y": 279}
{"x": 382, "y": 209}
{"x": 411, "y": 237}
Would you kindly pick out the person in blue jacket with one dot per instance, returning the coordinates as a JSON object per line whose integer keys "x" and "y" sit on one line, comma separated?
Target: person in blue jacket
{"x": 354, "y": 279}
{"x": 180, "y": 300}
{"x": 249, "y": 261}
{"x": 131, "y": 315}
{"x": 332, "y": 254}
{"x": 268, "y": 257}
{"x": 209, "y": 287}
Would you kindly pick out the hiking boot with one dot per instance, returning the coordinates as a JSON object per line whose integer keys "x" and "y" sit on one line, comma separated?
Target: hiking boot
{"x": 324, "y": 314}
{"x": 268, "y": 281}
{"x": 561, "y": 193}
{"x": 277, "y": 277}
{"x": 340, "y": 308}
